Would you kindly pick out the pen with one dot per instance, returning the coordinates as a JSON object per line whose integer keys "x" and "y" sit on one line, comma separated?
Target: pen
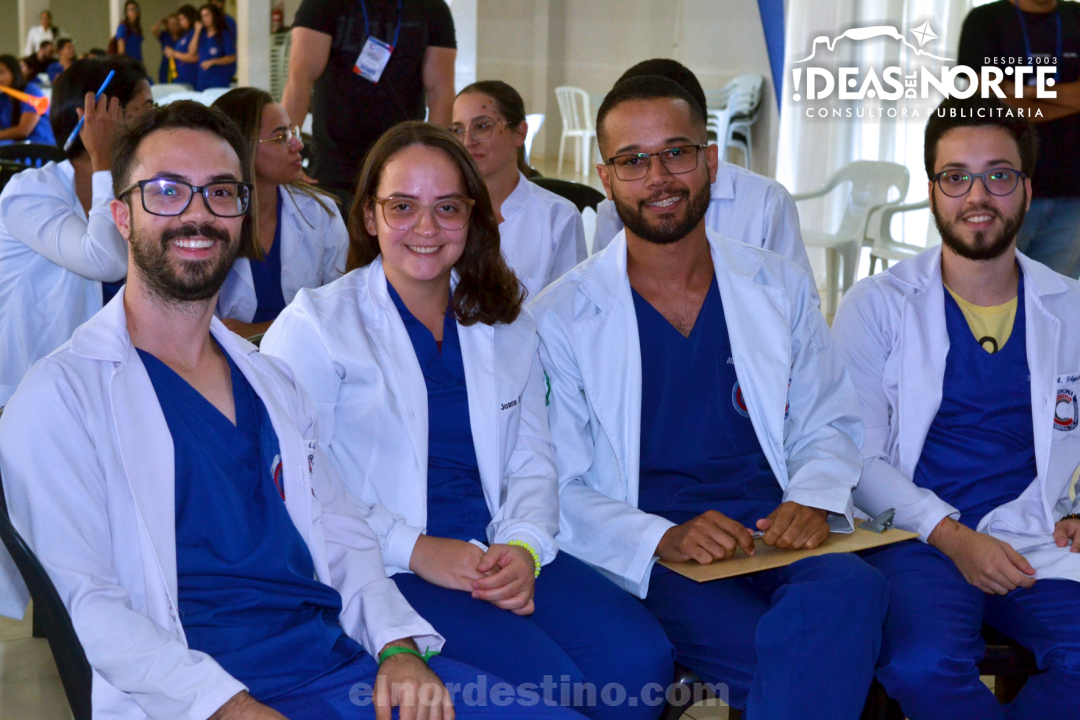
{"x": 75, "y": 133}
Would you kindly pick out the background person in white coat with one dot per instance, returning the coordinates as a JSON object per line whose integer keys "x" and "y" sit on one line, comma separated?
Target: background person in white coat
{"x": 300, "y": 238}
{"x": 58, "y": 243}
{"x": 742, "y": 204}
{"x": 966, "y": 360}
{"x": 542, "y": 235}
{"x": 423, "y": 364}
{"x": 695, "y": 392}
{"x": 169, "y": 478}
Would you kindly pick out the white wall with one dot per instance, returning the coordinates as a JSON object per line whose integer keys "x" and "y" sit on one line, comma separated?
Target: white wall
{"x": 10, "y": 39}
{"x": 536, "y": 45}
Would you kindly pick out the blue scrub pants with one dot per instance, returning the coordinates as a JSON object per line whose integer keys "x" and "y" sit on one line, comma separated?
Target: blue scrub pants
{"x": 1051, "y": 234}
{"x": 795, "y": 643}
{"x": 585, "y": 635}
{"x": 933, "y": 639}
{"x": 346, "y": 694}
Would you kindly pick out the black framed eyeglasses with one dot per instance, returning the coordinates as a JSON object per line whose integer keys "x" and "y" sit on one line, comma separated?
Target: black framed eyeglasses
{"x": 997, "y": 181}
{"x": 635, "y": 166}
{"x": 481, "y": 130}
{"x": 168, "y": 198}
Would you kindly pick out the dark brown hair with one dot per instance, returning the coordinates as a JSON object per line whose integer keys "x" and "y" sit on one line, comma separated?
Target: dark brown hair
{"x": 510, "y": 105}
{"x": 487, "y": 291}
{"x": 244, "y": 106}
{"x": 975, "y": 111}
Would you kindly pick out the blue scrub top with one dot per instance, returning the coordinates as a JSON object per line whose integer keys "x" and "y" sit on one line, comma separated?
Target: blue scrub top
{"x": 699, "y": 450}
{"x": 266, "y": 274}
{"x": 167, "y": 41}
{"x": 132, "y": 42}
{"x": 54, "y": 70}
{"x": 247, "y": 588}
{"x": 186, "y": 72}
{"x": 980, "y": 450}
{"x": 42, "y": 132}
{"x": 456, "y": 507}
{"x": 210, "y": 48}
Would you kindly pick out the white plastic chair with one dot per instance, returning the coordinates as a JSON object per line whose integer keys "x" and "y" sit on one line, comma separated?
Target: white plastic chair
{"x": 162, "y": 91}
{"x": 577, "y": 123}
{"x": 869, "y": 183}
{"x": 183, "y": 95}
{"x": 744, "y": 108}
{"x": 535, "y": 122}
{"x": 209, "y": 96}
{"x": 883, "y": 246}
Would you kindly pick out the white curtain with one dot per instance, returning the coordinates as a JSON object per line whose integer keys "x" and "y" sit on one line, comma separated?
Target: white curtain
{"x": 812, "y": 149}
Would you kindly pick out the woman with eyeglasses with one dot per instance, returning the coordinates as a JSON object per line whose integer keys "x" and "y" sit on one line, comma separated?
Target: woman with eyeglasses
{"x": 542, "y": 233}
{"x": 59, "y": 246}
{"x": 300, "y": 238}
{"x": 423, "y": 366}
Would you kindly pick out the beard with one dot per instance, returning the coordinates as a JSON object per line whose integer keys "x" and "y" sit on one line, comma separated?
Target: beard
{"x": 984, "y": 246}
{"x": 665, "y": 229}
{"x": 192, "y": 281}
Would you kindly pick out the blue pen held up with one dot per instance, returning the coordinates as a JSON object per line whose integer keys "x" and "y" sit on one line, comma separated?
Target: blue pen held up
{"x": 75, "y": 133}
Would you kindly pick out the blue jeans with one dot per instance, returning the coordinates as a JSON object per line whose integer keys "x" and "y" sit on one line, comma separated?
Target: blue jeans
{"x": 794, "y": 643}
{"x": 933, "y": 639}
{"x": 586, "y": 633}
{"x": 1051, "y": 234}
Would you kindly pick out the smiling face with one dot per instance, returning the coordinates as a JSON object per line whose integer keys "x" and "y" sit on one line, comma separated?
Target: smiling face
{"x": 660, "y": 208}
{"x": 427, "y": 252}
{"x": 978, "y": 225}
{"x": 275, "y": 162}
{"x": 498, "y": 151}
{"x": 187, "y": 257}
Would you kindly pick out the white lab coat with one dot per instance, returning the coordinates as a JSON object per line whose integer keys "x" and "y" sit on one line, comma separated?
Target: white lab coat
{"x": 810, "y": 432}
{"x": 542, "y": 235}
{"x": 37, "y": 35}
{"x": 744, "y": 206}
{"x": 314, "y": 246}
{"x": 53, "y": 259}
{"x": 891, "y": 331}
{"x": 88, "y": 470}
{"x": 350, "y": 350}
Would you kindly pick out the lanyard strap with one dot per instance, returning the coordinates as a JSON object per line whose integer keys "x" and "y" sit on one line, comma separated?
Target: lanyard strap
{"x": 397, "y": 32}
{"x": 1027, "y": 40}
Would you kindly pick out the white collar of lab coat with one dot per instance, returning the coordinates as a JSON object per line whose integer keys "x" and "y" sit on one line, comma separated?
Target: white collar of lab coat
{"x": 723, "y": 188}
{"x": 515, "y": 202}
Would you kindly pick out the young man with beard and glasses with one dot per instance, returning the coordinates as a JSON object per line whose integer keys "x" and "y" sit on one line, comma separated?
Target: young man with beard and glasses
{"x": 170, "y": 480}
{"x": 966, "y": 360}
{"x": 696, "y": 397}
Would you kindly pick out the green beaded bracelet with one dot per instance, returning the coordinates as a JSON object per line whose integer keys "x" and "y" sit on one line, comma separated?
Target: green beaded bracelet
{"x": 398, "y": 650}
{"x": 532, "y": 551}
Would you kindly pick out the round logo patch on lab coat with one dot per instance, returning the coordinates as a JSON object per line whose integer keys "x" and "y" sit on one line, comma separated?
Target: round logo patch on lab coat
{"x": 1066, "y": 416}
{"x": 737, "y": 400}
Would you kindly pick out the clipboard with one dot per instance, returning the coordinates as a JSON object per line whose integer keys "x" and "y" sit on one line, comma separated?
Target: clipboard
{"x": 767, "y": 558}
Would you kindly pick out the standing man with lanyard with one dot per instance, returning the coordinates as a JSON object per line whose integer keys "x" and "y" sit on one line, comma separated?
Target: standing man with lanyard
{"x": 372, "y": 64}
{"x": 1040, "y": 33}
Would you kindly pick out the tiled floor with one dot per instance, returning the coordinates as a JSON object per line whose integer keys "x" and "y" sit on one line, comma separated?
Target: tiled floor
{"x": 29, "y": 685}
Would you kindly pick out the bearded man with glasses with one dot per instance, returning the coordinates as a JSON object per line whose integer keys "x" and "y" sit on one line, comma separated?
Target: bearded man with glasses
{"x": 966, "y": 360}
{"x": 696, "y": 398}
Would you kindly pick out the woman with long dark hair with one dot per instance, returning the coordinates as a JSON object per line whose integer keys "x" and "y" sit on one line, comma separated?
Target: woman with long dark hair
{"x": 187, "y": 65}
{"x": 129, "y": 33}
{"x": 300, "y": 240}
{"x": 18, "y": 120}
{"x": 424, "y": 369}
{"x": 213, "y": 49}
{"x": 543, "y": 235}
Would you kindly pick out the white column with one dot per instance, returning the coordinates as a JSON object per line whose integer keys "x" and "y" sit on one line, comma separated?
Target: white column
{"x": 29, "y": 16}
{"x": 464, "y": 12}
{"x": 116, "y": 16}
{"x": 253, "y": 45}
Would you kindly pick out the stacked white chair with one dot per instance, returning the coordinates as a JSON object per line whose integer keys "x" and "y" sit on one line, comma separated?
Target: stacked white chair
{"x": 535, "y": 121}
{"x": 577, "y": 123}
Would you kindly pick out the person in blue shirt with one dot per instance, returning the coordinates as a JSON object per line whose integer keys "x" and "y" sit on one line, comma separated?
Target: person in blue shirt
{"x": 167, "y": 31}
{"x": 213, "y": 49}
{"x": 229, "y": 21}
{"x": 129, "y": 34}
{"x": 18, "y": 120}
{"x": 65, "y": 55}
{"x": 187, "y": 62}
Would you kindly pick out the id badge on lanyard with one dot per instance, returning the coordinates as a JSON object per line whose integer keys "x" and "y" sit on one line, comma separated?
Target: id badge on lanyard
{"x": 376, "y": 53}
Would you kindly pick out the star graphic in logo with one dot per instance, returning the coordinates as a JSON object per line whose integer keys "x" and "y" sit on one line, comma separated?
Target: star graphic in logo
{"x": 923, "y": 33}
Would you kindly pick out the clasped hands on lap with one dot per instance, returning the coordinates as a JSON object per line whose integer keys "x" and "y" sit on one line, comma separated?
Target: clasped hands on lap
{"x": 713, "y": 536}
{"x": 503, "y": 576}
